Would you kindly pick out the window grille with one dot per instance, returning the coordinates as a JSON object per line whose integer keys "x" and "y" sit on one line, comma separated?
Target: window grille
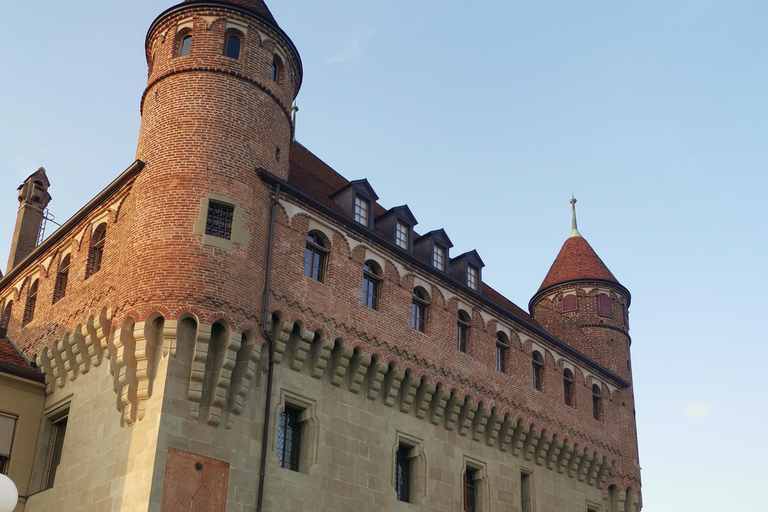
{"x": 219, "y": 221}
{"x": 403, "y": 474}
{"x": 289, "y": 439}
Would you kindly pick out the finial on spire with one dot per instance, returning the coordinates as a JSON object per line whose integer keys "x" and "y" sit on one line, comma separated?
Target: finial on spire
{"x": 574, "y": 229}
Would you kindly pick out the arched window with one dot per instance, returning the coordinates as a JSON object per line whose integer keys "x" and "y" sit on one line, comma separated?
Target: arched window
{"x": 537, "y": 375}
{"x": 96, "y": 253}
{"x": 5, "y": 319}
{"x": 570, "y": 303}
{"x": 62, "y": 276}
{"x": 232, "y": 46}
{"x": 29, "y": 308}
{"x": 568, "y": 387}
{"x": 604, "y": 306}
{"x": 314, "y": 257}
{"x": 462, "y": 331}
{"x": 597, "y": 402}
{"x": 502, "y": 349}
{"x": 185, "y": 45}
{"x": 276, "y": 70}
{"x": 419, "y": 307}
{"x": 371, "y": 284}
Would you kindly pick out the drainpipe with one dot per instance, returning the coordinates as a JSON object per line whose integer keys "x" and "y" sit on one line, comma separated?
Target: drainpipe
{"x": 271, "y": 364}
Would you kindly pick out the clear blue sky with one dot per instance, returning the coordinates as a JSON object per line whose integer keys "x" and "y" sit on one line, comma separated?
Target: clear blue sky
{"x": 484, "y": 117}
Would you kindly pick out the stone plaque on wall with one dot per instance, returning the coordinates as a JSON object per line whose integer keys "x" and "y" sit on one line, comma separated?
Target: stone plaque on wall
{"x": 194, "y": 483}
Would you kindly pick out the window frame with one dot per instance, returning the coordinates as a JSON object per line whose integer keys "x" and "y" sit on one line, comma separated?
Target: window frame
{"x": 438, "y": 257}
{"x": 184, "y": 36}
{"x": 470, "y": 504}
{"x": 604, "y": 305}
{"x": 5, "y": 460}
{"x": 315, "y": 247}
{"x": 570, "y": 303}
{"x": 473, "y": 276}
{"x": 96, "y": 247}
{"x": 402, "y": 235}
{"x": 404, "y": 473}
{"x": 293, "y": 462}
{"x": 31, "y": 302}
{"x": 502, "y": 352}
{"x": 597, "y": 402}
{"x": 362, "y": 205}
{"x": 57, "y": 438}
{"x": 62, "y": 278}
{"x": 229, "y": 35}
{"x": 568, "y": 387}
{"x": 463, "y": 327}
{"x": 419, "y": 309}
{"x": 220, "y": 223}
{"x": 537, "y": 371}
{"x": 372, "y": 281}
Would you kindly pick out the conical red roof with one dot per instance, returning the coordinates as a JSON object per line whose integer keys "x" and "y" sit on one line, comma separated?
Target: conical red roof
{"x": 577, "y": 261}
{"x": 257, "y": 6}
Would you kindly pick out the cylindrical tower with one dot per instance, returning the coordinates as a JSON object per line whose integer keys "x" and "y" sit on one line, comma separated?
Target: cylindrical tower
{"x": 217, "y": 106}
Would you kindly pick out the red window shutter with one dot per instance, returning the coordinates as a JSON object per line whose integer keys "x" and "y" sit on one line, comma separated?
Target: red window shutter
{"x": 570, "y": 303}
{"x": 604, "y": 306}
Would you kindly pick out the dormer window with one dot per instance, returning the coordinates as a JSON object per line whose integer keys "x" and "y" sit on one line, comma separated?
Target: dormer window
{"x": 472, "y": 277}
{"x": 361, "y": 210}
{"x": 401, "y": 238}
{"x": 438, "y": 258}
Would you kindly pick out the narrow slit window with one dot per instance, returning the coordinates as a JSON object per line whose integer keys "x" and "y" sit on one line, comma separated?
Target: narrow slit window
{"x": 403, "y": 470}
{"x": 419, "y": 306}
{"x": 597, "y": 402}
{"x": 29, "y": 310}
{"x": 568, "y": 387}
{"x": 62, "y": 277}
{"x": 96, "y": 253}
{"x": 57, "y": 446}
{"x": 289, "y": 439}
{"x": 537, "y": 376}
{"x": 462, "y": 331}
{"x": 526, "y": 492}
{"x": 502, "y": 349}
{"x": 470, "y": 490}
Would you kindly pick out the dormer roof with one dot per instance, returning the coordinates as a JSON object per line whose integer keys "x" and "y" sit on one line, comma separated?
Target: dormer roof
{"x": 401, "y": 212}
{"x": 439, "y": 236}
{"x": 361, "y": 187}
{"x": 577, "y": 261}
{"x": 472, "y": 258}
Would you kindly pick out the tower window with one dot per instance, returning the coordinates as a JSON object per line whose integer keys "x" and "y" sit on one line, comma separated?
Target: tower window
{"x": 58, "y": 432}
{"x": 597, "y": 402}
{"x": 186, "y": 46}
{"x": 502, "y": 349}
{"x": 568, "y": 387}
{"x": 371, "y": 284}
{"x": 361, "y": 210}
{"x": 401, "y": 235}
{"x": 419, "y": 307}
{"x": 438, "y": 258}
{"x": 219, "y": 221}
{"x": 289, "y": 439}
{"x": 62, "y": 276}
{"x": 472, "y": 277}
{"x": 570, "y": 303}
{"x": 314, "y": 257}
{"x": 462, "y": 331}
{"x": 403, "y": 465}
{"x": 29, "y": 309}
{"x": 526, "y": 492}
{"x": 7, "y": 427}
{"x": 232, "y": 48}
{"x": 470, "y": 490}
{"x": 96, "y": 253}
{"x": 276, "y": 70}
{"x": 604, "y": 306}
{"x": 5, "y": 319}
{"x": 537, "y": 368}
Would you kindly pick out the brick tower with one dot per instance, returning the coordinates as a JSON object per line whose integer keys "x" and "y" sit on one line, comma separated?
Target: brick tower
{"x": 33, "y": 199}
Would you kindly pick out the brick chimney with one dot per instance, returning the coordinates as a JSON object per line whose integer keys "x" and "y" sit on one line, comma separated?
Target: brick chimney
{"x": 33, "y": 199}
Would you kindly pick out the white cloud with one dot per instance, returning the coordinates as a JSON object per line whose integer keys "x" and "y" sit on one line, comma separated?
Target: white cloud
{"x": 697, "y": 410}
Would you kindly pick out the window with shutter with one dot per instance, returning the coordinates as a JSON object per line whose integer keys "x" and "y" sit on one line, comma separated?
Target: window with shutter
{"x": 604, "y": 306}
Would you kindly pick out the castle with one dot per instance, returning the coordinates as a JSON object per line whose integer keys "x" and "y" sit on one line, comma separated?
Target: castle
{"x": 233, "y": 326}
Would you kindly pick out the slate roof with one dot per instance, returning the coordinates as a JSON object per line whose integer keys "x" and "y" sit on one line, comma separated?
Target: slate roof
{"x": 577, "y": 261}
{"x": 257, "y": 6}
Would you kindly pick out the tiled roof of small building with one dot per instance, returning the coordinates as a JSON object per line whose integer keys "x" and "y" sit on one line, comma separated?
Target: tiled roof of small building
{"x": 11, "y": 359}
{"x": 257, "y": 6}
{"x": 577, "y": 261}
{"x": 317, "y": 179}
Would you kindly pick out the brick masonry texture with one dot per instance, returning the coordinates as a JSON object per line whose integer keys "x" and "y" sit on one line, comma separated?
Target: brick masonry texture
{"x": 208, "y": 124}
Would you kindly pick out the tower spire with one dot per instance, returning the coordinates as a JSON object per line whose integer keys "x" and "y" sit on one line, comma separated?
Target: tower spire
{"x": 574, "y": 229}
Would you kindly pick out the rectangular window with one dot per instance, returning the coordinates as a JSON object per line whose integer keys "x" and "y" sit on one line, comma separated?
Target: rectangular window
{"x": 289, "y": 439}
{"x": 361, "y": 211}
{"x": 403, "y": 465}
{"x": 501, "y": 358}
{"x": 526, "y": 492}
{"x": 470, "y": 491}
{"x": 604, "y": 305}
{"x": 57, "y": 445}
{"x": 472, "y": 277}
{"x": 219, "y": 222}
{"x": 7, "y": 428}
{"x": 401, "y": 238}
{"x": 438, "y": 258}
